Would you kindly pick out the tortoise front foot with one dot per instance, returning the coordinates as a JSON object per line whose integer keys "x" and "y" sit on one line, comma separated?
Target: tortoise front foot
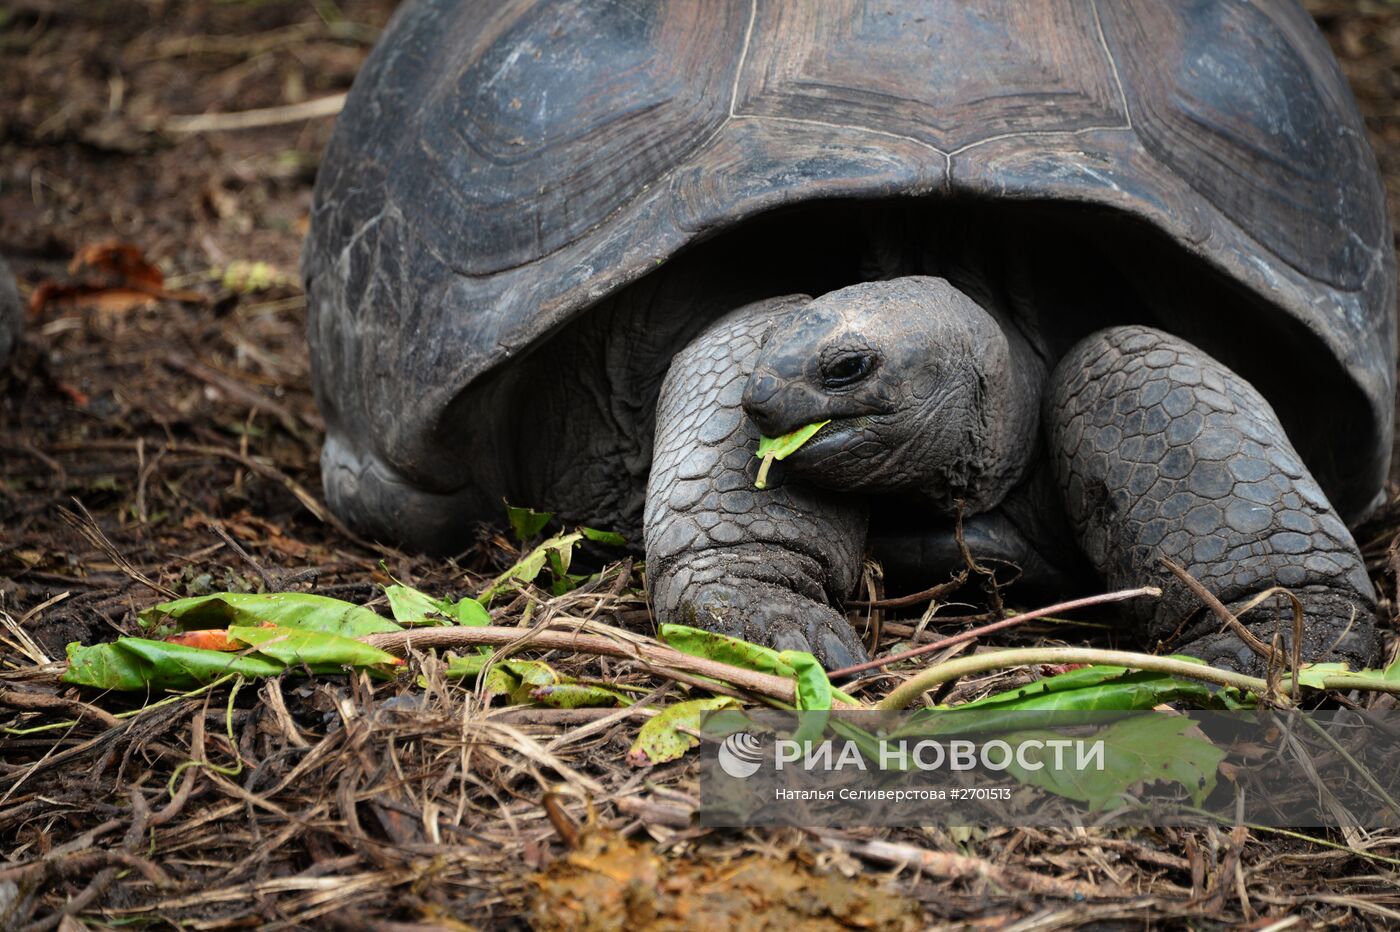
{"x": 1335, "y": 629}
{"x": 1162, "y": 451}
{"x": 774, "y": 616}
{"x": 765, "y": 565}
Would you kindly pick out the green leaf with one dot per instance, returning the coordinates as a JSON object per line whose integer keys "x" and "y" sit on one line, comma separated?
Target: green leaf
{"x": 571, "y": 581}
{"x": 464, "y": 667}
{"x": 579, "y": 696}
{"x": 661, "y": 738}
{"x": 733, "y": 651}
{"x": 105, "y": 666}
{"x": 562, "y": 580}
{"x": 534, "y": 681}
{"x": 813, "y": 687}
{"x": 813, "y": 695}
{"x": 528, "y": 568}
{"x": 529, "y": 676}
{"x": 604, "y": 537}
{"x": 411, "y": 607}
{"x": 468, "y": 612}
{"x": 321, "y": 652}
{"x": 1139, "y": 749}
{"x": 527, "y": 522}
{"x": 514, "y": 679}
{"x": 780, "y": 448}
{"x": 140, "y": 664}
{"x": 287, "y": 609}
{"x": 738, "y": 653}
{"x": 1312, "y": 674}
{"x": 1103, "y": 688}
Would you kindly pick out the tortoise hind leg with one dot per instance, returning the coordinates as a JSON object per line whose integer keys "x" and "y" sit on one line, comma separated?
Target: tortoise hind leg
{"x": 376, "y": 501}
{"x": 1161, "y": 451}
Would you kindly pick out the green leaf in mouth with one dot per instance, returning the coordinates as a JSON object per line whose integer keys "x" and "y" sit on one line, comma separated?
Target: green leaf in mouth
{"x": 779, "y": 448}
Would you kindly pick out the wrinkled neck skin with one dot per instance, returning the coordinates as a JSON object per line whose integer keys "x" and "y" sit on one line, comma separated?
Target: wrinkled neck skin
{"x": 993, "y": 450}
{"x": 949, "y": 415}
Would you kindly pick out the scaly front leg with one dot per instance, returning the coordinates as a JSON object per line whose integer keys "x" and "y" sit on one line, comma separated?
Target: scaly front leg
{"x": 767, "y": 566}
{"x": 1161, "y": 451}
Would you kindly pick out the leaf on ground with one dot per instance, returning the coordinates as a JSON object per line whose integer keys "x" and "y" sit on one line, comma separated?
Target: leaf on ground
{"x": 611, "y": 882}
{"x": 610, "y": 538}
{"x": 1141, "y": 749}
{"x": 321, "y": 652}
{"x": 463, "y": 667}
{"x": 468, "y": 612}
{"x": 105, "y": 666}
{"x": 721, "y": 647}
{"x": 409, "y": 606}
{"x": 739, "y": 653}
{"x": 1105, "y": 688}
{"x": 529, "y": 676}
{"x": 109, "y": 276}
{"x": 528, "y": 568}
{"x": 1312, "y": 674}
{"x": 140, "y": 664}
{"x": 287, "y": 609}
{"x": 662, "y": 739}
{"x": 122, "y": 261}
{"x": 579, "y": 696}
{"x": 813, "y": 694}
{"x": 204, "y": 639}
{"x": 87, "y": 297}
{"x": 534, "y": 681}
{"x": 527, "y": 522}
{"x": 514, "y": 679}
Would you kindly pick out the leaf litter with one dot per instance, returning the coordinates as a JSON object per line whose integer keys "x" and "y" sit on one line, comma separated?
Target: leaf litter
{"x": 342, "y": 800}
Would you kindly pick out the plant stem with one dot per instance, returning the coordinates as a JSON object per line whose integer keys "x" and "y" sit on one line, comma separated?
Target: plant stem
{"x": 910, "y": 690}
{"x": 1120, "y": 596}
{"x": 657, "y": 657}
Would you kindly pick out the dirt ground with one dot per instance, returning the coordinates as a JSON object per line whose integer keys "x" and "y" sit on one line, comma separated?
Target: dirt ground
{"x": 163, "y": 442}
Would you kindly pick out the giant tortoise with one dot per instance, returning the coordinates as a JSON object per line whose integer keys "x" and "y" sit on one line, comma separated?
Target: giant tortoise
{"x": 1110, "y": 282}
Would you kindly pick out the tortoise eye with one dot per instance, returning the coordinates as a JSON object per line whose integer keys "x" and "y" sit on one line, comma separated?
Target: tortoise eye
{"x": 846, "y": 370}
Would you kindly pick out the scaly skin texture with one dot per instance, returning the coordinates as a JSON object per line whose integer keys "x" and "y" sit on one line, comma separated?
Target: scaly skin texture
{"x": 766, "y": 566}
{"x": 1159, "y": 450}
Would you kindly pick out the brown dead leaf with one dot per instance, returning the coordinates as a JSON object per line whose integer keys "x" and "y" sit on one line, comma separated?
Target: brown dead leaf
{"x": 110, "y": 277}
{"x": 84, "y": 297}
{"x": 122, "y": 261}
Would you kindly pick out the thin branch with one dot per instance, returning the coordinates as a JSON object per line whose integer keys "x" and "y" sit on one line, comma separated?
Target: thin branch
{"x": 1218, "y": 607}
{"x": 40, "y": 702}
{"x": 657, "y": 657}
{"x": 945, "y": 864}
{"x": 252, "y": 119}
{"x": 1103, "y": 599}
{"x": 928, "y": 595}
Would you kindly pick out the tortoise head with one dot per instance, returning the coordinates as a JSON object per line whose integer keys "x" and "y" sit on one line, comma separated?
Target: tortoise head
{"x": 918, "y": 383}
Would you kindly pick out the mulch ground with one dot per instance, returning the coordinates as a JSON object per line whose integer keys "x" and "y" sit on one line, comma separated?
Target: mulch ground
{"x": 160, "y": 438}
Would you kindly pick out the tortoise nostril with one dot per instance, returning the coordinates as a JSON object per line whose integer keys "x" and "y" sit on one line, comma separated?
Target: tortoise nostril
{"x": 759, "y": 395}
{"x": 759, "y": 390}
{"x": 768, "y": 424}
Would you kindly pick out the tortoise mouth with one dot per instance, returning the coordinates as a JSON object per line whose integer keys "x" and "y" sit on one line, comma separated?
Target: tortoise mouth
{"x": 834, "y": 439}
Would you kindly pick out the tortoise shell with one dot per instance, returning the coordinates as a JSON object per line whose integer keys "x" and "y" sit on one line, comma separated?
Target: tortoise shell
{"x": 501, "y": 167}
